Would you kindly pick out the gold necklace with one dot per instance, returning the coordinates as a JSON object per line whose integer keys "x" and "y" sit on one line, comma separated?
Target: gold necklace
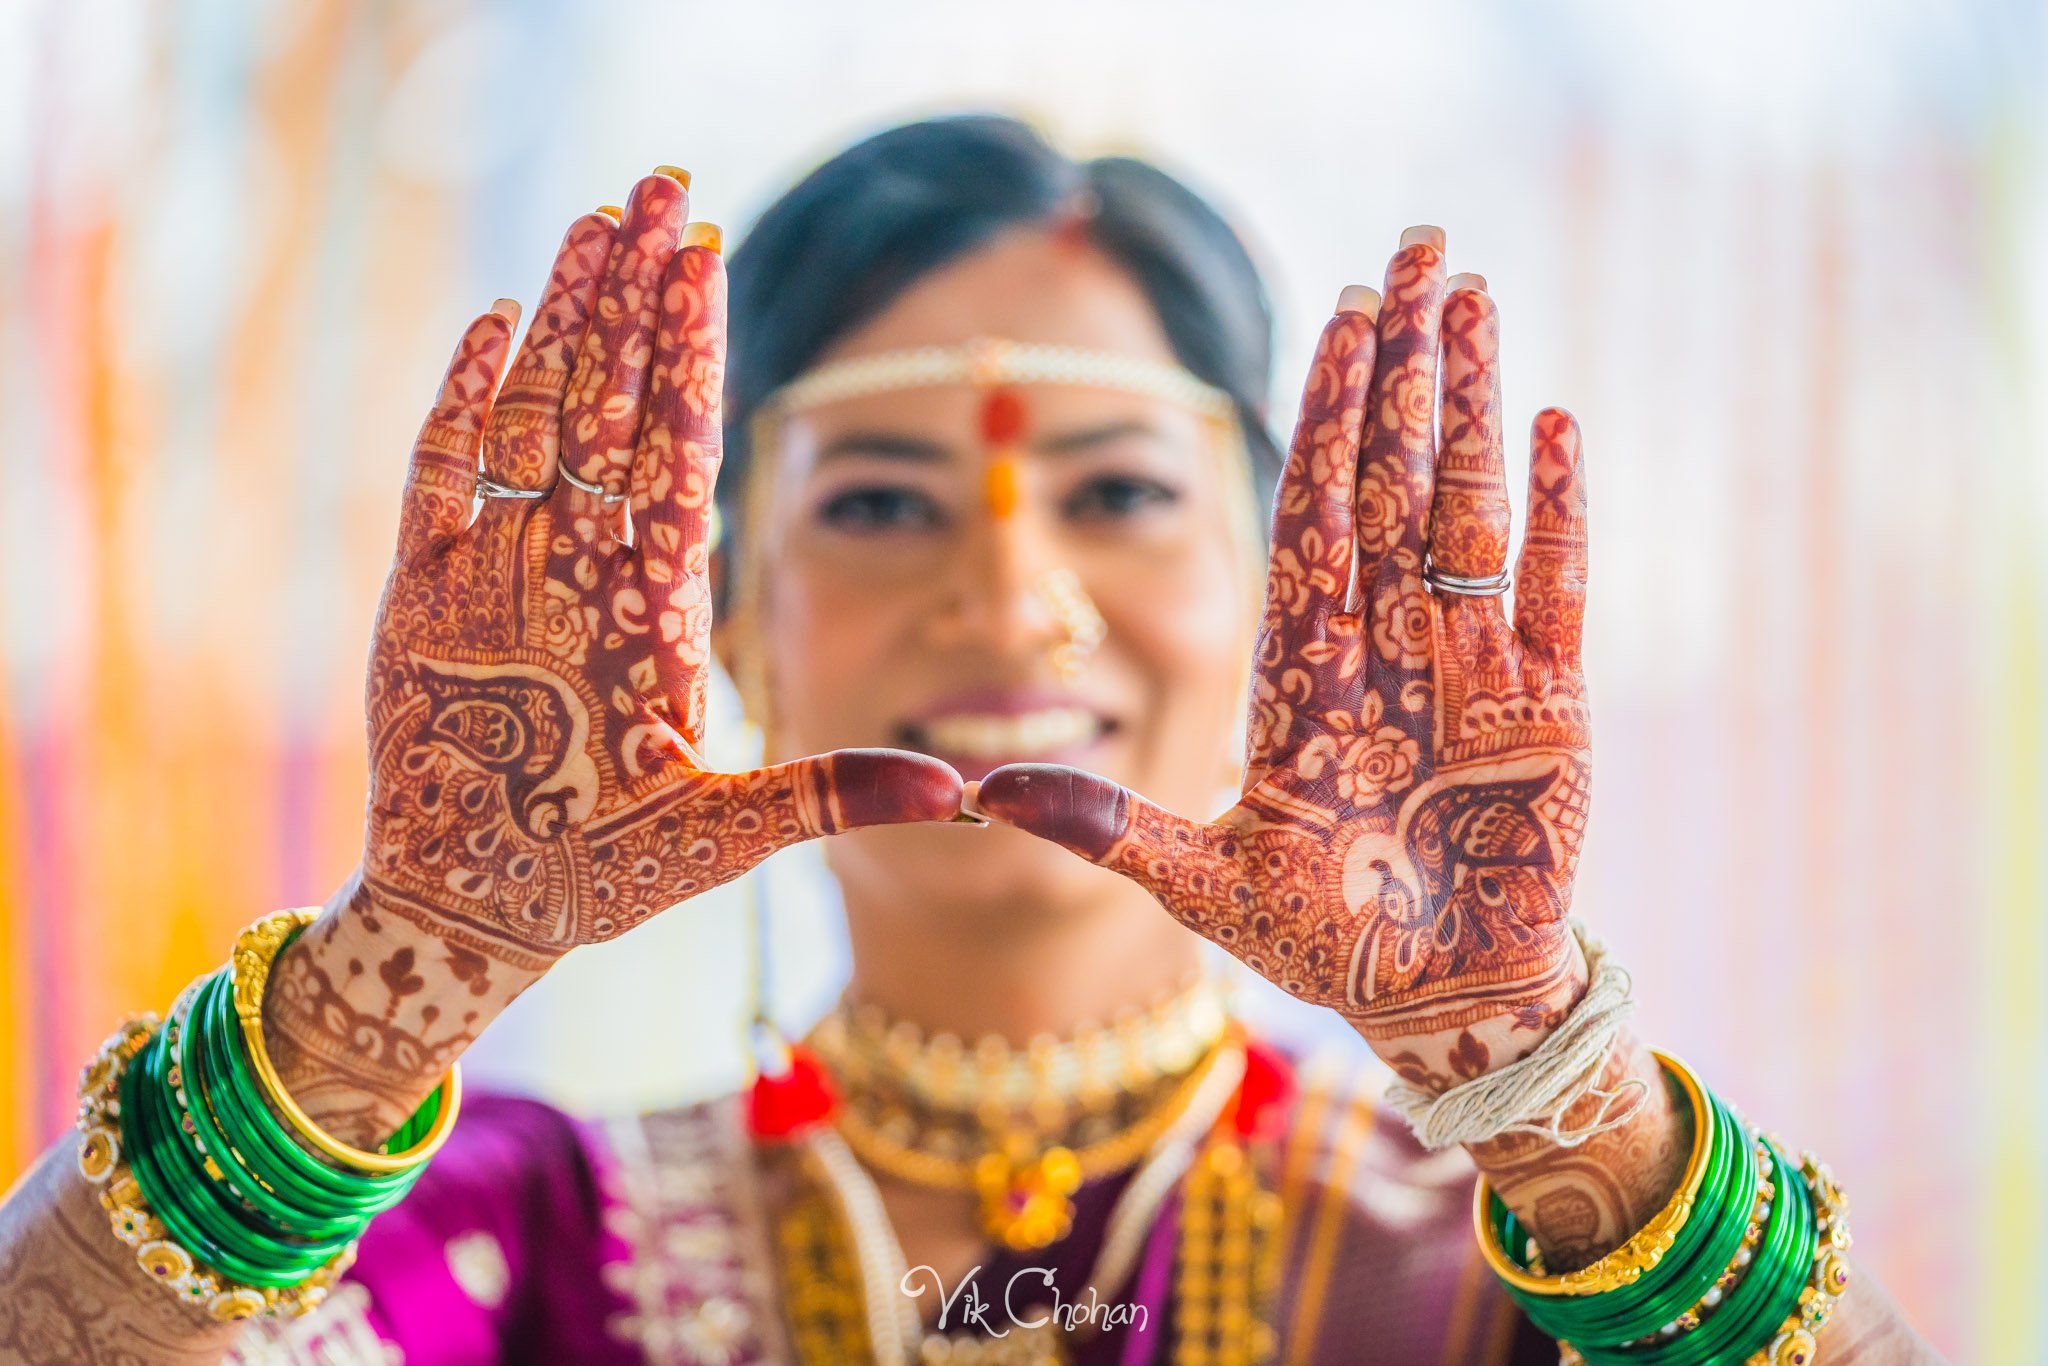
{"x": 1023, "y": 1129}
{"x": 1044, "y": 1079}
{"x": 1226, "y": 1259}
{"x": 1026, "y": 1192}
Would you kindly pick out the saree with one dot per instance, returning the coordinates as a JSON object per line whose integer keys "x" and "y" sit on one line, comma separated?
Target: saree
{"x": 648, "y": 1241}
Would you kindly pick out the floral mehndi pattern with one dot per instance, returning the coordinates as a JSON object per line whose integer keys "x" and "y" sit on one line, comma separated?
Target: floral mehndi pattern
{"x": 1416, "y": 777}
{"x": 538, "y": 671}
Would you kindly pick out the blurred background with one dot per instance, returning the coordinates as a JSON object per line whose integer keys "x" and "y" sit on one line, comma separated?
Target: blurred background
{"x": 1783, "y": 259}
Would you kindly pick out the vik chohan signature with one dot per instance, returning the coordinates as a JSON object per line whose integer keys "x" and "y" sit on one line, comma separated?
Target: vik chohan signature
{"x": 1023, "y": 1303}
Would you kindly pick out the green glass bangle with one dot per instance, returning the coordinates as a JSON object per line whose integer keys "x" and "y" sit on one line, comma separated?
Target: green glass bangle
{"x": 251, "y": 1240}
{"x": 246, "y": 1238}
{"x": 1741, "y": 1258}
{"x": 1686, "y": 1269}
{"x": 265, "y": 1150}
{"x": 211, "y": 1145}
{"x": 1772, "y": 1290}
{"x": 1728, "y": 1196}
{"x": 249, "y": 967}
{"x": 1755, "y": 1305}
{"x": 171, "y": 1201}
{"x": 265, "y": 1147}
{"x": 352, "y": 1188}
{"x": 1722, "y": 1222}
{"x": 260, "y": 1147}
{"x": 221, "y": 1161}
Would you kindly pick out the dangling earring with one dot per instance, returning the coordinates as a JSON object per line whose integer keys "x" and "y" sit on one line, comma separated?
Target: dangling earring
{"x": 789, "y": 1092}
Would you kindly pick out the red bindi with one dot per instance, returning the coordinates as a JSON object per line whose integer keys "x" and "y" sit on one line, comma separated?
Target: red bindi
{"x": 1002, "y": 418}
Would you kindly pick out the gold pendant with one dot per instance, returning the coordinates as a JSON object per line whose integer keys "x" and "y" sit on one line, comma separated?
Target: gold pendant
{"x": 1027, "y": 1204}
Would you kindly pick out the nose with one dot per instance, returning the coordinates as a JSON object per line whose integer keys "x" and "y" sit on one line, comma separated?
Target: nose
{"x": 996, "y": 602}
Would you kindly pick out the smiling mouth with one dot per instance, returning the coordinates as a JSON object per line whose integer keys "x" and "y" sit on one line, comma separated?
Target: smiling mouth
{"x": 997, "y": 738}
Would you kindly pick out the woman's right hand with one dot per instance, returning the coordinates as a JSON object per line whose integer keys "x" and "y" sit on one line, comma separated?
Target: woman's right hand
{"x": 536, "y": 690}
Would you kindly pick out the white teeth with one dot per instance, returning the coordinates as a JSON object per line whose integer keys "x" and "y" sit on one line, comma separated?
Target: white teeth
{"x": 1031, "y": 732}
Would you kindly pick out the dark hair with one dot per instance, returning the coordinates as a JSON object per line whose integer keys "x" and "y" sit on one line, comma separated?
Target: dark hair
{"x": 849, "y": 238}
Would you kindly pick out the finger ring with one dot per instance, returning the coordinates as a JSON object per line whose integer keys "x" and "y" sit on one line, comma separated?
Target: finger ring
{"x": 595, "y": 490}
{"x": 1490, "y": 587}
{"x": 490, "y": 488}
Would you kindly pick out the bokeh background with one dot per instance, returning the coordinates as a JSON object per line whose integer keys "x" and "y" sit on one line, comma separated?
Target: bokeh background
{"x": 1785, "y": 260}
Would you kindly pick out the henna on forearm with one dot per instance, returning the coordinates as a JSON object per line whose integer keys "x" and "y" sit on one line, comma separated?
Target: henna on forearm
{"x": 368, "y": 1009}
{"x": 71, "y": 1293}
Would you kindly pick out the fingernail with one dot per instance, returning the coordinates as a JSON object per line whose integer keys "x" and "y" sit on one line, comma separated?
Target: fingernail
{"x": 1466, "y": 280}
{"x": 1423, "y": 233}
{"x": 1359, "y": 299}
{"x": 612, "y": 211}
{"x": 704, "y": 235}
{"x": 970, "y": 807}
{"x": 508, "y": 309}
{"x": 675, "y": 173}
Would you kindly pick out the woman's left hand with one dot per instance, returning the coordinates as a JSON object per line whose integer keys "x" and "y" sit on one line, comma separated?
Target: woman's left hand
{"x": 1417, "y": 771}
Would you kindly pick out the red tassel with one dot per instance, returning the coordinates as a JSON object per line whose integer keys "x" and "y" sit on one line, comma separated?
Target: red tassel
{"x": 1263, "y": 1094}
{"x": 784, "y": 1105}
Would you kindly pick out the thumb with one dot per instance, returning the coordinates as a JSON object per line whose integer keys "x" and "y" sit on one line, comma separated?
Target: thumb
{"x": 847, "y": 789}
{"x": 1190, "y": 867}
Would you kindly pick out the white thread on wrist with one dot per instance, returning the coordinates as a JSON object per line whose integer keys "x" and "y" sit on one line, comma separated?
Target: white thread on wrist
{"x": 1531, "y": 1096}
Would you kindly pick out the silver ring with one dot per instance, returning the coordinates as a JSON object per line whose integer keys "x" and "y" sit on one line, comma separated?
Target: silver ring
{"x": 594, "y": 490}
{"x": 1491, "y": 587}
{"x": 488, "y": 487}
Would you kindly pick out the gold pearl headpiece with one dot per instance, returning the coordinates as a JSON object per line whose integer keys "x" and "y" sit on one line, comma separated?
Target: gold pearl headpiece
{"x": 986, "y": 362}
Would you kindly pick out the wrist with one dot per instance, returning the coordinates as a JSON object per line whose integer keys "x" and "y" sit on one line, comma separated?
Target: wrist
{"x": 369, "y": 1008}
{"x": 1457, "y": 1043}
{"x": 1581, "y": 1202}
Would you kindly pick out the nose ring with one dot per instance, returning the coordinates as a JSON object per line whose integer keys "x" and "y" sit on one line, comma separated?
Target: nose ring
{"x": 1075, "y": 612}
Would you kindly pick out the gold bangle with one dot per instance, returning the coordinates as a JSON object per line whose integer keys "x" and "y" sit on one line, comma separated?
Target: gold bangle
{"x": 256, "y": 948}
{"x": 1796, "y": 1342}
{"x": 1626, "y": 1264}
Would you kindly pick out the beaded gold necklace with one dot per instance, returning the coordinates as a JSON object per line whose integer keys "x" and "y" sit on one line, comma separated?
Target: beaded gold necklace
{"x": 1022, "y": 1128}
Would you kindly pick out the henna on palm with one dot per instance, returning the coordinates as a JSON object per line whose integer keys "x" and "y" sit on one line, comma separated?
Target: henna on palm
{"x": 1416, "y": 777}
{"x": 1417, "y": 766}
{"x": 536, "y": 688}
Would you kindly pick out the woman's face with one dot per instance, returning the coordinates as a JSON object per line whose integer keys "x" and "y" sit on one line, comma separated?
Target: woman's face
{"x": 901, "y": 605}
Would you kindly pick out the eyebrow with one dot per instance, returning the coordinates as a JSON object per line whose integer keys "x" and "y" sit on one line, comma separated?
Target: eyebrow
{"x": 884, "y": 446}
{"x": 920, "y": 450}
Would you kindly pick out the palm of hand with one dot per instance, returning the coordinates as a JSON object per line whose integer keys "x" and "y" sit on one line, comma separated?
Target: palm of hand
{"x": 1417, "y": 765}
{"x": 537, "y": 685}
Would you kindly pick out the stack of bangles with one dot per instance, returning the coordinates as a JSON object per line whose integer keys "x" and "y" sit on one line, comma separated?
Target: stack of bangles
{"x": 1743, "y": 1265}
{"x": 228, "y": 1192}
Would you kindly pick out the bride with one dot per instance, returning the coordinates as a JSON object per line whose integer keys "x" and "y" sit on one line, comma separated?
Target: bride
{"x": 989, "y": 556}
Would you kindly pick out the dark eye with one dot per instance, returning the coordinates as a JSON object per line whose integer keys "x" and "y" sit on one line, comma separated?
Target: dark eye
{"x": 880, "y": 508}
{"x": 1114, "y": 497}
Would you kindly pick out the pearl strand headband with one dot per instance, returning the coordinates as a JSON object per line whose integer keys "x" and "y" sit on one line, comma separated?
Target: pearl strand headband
{"x": 985, "y": 362}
